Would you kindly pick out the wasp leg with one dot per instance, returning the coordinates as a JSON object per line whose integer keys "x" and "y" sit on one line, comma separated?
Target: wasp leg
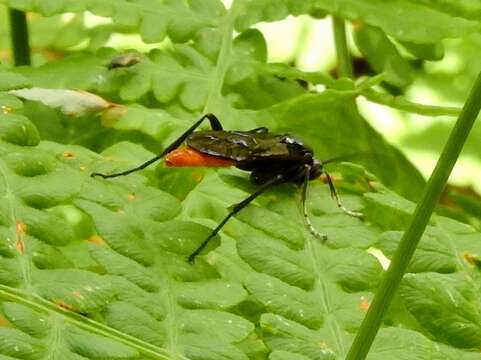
{"x": 214, "y": 123}
{"x": 236, "y": 208}
{"x": 335, "y": 196}
{"x": 307, "y": 221}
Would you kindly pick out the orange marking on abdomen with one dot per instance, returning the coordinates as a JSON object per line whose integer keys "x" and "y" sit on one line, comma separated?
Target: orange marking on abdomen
{"x": 189, "y": 157}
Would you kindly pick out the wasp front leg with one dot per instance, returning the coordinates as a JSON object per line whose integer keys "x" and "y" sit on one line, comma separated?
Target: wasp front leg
{"x": 307, "y": 220}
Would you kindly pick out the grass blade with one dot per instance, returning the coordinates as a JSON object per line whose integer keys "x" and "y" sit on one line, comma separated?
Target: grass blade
{"x": 421, "y": 216}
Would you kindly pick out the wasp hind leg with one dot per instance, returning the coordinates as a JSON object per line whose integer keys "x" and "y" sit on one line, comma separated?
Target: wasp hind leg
{"x": 214, "y": 124}
{"x": 277, "y": 179}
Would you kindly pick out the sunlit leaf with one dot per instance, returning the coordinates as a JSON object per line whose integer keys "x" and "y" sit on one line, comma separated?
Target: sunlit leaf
{"x": 70, "y": 102}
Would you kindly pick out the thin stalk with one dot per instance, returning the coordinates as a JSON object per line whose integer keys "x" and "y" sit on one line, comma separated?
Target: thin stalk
{"x": 217, "y": 80}
{"x": 400, "y": 103}
{"x": 39, "y": 304}
{"x": 344, "y": 63}
{"x": 391, "y": 280}
{"x": 19, "y": 37}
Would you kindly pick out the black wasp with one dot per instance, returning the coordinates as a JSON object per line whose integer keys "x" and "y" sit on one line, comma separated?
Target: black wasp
{"x": 272, "y": 159}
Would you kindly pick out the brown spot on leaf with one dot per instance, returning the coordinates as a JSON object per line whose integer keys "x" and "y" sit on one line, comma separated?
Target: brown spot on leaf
{"x": 20, "y": 246}
{"x": 68, "y": 155}
{"x": 364, "y": 304}
{"x": 82, "y": 167}
{"x": 112, "y": 114}
{"x": 197, "y": 176}
{"x": 357, "y": 24}
{"x": 6, "y": 109}
{"x": 21, "y": 228}
{"x": 131, "y": 197}
{"x": 96, "y": 239}
{"x": 63, "y": 305}
{"x": 78, "y": 294}
{"x": 471, "y": 259}
{"x": 4, "y": 322}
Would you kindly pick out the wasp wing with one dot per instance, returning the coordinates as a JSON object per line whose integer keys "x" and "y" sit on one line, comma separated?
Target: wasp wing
{"x": 239, "y": 145}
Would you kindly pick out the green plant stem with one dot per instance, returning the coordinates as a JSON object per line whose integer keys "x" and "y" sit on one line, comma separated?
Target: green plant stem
{"x": 289, "y": 72}
{"x": 344, "y": 63}
{"x": 19, "y": 37}
{"x": 401, "y": 103}
{"x": 217, "y": 81}
{"x": 420, "y": 218}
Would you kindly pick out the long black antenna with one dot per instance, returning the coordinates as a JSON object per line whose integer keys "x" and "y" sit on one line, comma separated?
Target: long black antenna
{"x": 335, "y": 196}
{"x": 345, "y": 157}
{"x": 214, "y": 123}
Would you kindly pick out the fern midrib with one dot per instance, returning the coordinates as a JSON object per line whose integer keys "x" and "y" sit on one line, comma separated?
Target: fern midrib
{"x": 320, "y": 287}
{"x": 171, "y": 320}
{"x": 23, "y": 259}
{"x": 462, "y": 265}
{"x": 215, "y": 92}
{"x": 55, "y": 338}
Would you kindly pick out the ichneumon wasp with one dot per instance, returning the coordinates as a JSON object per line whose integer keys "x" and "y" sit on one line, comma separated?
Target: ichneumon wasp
{"x": 272, "y": 159}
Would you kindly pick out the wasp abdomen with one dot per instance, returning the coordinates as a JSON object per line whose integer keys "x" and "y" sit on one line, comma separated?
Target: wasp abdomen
{"x": 189, "y": 157}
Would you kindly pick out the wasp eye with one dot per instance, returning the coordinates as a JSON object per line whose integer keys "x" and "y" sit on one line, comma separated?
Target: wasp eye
{"x": 288, "y": 140}
{"x": 316, "y": 170}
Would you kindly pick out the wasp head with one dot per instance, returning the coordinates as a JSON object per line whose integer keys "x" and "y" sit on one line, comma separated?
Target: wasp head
{"x": 316, "y": 170}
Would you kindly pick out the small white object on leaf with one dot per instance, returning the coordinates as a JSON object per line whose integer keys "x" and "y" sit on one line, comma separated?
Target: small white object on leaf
{"x": 70, "y": 102}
